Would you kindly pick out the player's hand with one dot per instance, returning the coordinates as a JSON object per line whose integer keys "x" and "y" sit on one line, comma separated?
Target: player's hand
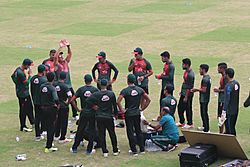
{"x": 66, "y": 42}
{"x": 216, "y": 90}
{"x": 141, "y": 78}
{"x": 29, "y": 72}
{"x": 185, "y": 99}
{"x": 194, "y": 90}
{"x": 145, "y": 122}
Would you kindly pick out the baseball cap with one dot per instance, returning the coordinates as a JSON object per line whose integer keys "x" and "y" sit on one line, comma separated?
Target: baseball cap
{"x": 87, "y": 78}
{"x": 41, "y": 68}
{"x": 62, "y": 75}
{"x": 138, "y": 51}
{"x": 28, "y": 62}
{"x": 101, "y": 55}
{"x": 104, "y": 82}
{"x": 131, "y": 78}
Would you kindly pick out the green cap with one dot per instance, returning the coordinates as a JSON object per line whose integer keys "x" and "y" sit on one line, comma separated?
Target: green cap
{"x": 63, "y": 75}
{"x": 41, "y": 68}
{"x": 131, "y": 78}
{"x": 88, "y": 78}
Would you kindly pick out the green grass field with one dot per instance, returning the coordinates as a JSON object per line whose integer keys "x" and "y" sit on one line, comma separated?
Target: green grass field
{"x": 206, "y": 31}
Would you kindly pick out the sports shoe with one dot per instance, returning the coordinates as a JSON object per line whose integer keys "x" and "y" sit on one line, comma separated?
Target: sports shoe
{"x": 26, "y": 129}
{"x": 200, "y": 128}
{"x": 116, "y": 153}
{"x": 44, "y": 133}
{"x": 76, "y": 118}
{"x": 105, "y": 155}
{"x": 33, "y": 126}
{"x": 142, "y": 152}
{"x": 56, "y": 138}
{"x": 90, "y": 153}
{"x": 39, "y": 138}
{"x": 179, "y": 124}
{"x": 134, "y": 154}
{"x": 73, "y": 150}
{"x": 52, "y": 149}
{"x": 172, "y": 147}
{"x": 65, "y": 141}
{"x": 130, "y": 151}
{"x": 188, "y": 126}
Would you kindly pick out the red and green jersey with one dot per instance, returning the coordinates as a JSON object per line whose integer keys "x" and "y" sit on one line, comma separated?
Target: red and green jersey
{"x": 21, "y": 83}
{"x": 50, "y": 63}
{"x": 132, "y": 96}
{"x": 167, "y": 76}
{"x": 142, "y": 67}
{"x": 188, "y": 82}
{"x": 205, "y": 83}
{"x": 104, "y": 70}
{"x": 223, "y": 82}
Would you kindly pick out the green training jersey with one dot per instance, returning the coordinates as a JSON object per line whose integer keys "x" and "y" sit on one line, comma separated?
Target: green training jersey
{"x": 231, "y": 102}
{"x": 63, "y": 93}
{"x": 132, "y": 96}
{"x": 170, "y": 102}
{"x": 223, "y": 82}
{"x": 48, "y": 95}
{"x": 106, "y": 102}
{"x": 83, "y": 93}
{"x": 21, "y": 83}
{"x": 35, "y": 84}
{"x": 205, "y": 83}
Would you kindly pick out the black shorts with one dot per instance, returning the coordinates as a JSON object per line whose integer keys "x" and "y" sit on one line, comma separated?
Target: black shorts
{"x": 220, "y": 108}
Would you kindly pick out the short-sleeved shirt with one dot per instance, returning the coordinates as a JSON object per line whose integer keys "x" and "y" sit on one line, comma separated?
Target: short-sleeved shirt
{"x": 170, "y": 102}
{"x": 188, "y": 82}
{"x": 167, "y": 76}
{"x": 142, "y": 67}
{"x": 223, "y": 82}
{"x": 231, "y": 102}
{"x": 169, "y": 128}
{"x": 48, "y": 94}
{"x": 106, "y": 102}
{"x": 22, "y": 87}
{"x": 64, "y": 66}
{"x": 50, "y": 63}
{"x": 63, "y": 93}
{"x": 205, "y": 82}
{"x": 35, "y": 84}
{"x": 104, "y": 70}
{"x": 85, "y": 92}
{"x": 132, "y": 96}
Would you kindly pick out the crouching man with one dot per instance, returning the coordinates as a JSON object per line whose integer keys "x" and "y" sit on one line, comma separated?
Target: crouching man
{"x": 170, "y": 134}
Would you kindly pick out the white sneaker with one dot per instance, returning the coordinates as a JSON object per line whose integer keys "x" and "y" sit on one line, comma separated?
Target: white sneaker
{"x": 200, "y": 128}
{"x": 172, "y": 147}
{"x": 186, "y": 126}
{"x": 44, "y": 133}
{"x": 65, "y": 141}
{"x": 27, "y": 130}
{"x": 105, "y": 155}
{"x": 56, "y": 138}
{"x": 117, "y": 153}
{"x": 90, "y": 153}
{"x": 39, "y": 138}
{"x": 76, "y": 118}
{"x": 130, "y": 151}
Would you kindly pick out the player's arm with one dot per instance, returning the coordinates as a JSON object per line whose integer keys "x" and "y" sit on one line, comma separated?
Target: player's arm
{"x": 156, "y": 127}
{"x": 247, "y": 102}
{"x": 25, "y": 81}
{"x": 131, "y": 65}
{"x": 114, "y": 105}
{"x": 55, "y": 61}
{"x": 69, "y": 55}
{"x": 55, "y": 98}
{"x": 146, "y": 101}
{"x": 93, "y": 72}
{"x": 115, "y": 70}
{"x": 118, "y": 102}
{"x": 149, "y": 70}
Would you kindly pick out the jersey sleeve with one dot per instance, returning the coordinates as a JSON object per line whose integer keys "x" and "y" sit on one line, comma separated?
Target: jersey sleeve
{"x": 149, "y": 67}
{"x": 114, "y": 104}
{"x": 163, "y": 121}
{"x": 123, "y": 92}
{"x": 78, "y": 92}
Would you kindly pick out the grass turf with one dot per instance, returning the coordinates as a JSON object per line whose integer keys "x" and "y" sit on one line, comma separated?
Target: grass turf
{"x": 153, "y": 25}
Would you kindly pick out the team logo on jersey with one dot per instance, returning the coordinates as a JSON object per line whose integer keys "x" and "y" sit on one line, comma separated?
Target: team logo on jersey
{"x": 134, "y": 93}
{"x": 236, "y": 87}
{"x": 58, "y": 89}
{"x": 173, "y": 102}
{"x": 87, "y": 94}
{"x": 45, "y": 90}
{"x": 36, "y": 81}
{"x": 105, "y": 98}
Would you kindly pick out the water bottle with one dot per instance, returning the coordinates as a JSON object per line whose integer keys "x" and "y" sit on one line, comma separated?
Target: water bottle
{"x": 139, "y": 82}
{"x": 17, "y": 139}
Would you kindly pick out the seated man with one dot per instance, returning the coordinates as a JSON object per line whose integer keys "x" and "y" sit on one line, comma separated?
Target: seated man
{"x": 170, "y": 134}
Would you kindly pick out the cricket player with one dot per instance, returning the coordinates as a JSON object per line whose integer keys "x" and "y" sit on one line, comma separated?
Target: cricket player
{"x": 204, "y": 91}
{"x": 133, "y": 95}
{"x": 186, "y": 99}
{"x": 50, "y": 61}
{"x": 105, "y": 101}
{"x": 231, "y": 102}
{"x": 141, "y": 68}
{"x": 22, "y": 82}
{"x": 104, "y": 67}
{"x": 223, "y": 81}
{"x": 35, "y": 84}
{"x": 87, "y": 116}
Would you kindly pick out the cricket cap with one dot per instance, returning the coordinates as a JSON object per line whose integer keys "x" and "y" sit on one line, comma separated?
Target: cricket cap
{"x": 137, "y": 51}
{"x": 101, "y": 55}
